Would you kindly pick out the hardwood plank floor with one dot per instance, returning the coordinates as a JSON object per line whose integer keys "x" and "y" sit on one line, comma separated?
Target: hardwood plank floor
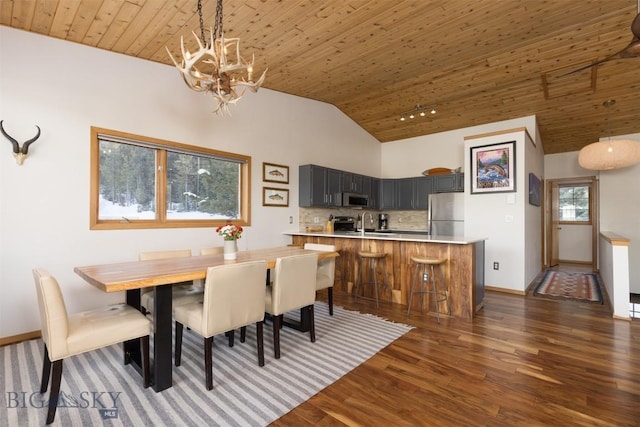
{"x": 523, "y": 361}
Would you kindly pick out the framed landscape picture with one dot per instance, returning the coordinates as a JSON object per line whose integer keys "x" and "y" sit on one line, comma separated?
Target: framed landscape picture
{"x": 275, "y": 196}
{"x": 275, "y": 173}
{"x": 493, "y": 168}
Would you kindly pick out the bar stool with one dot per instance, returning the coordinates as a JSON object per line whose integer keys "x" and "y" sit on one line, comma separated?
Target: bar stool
{"x": 440, "y": 294}
{"x": 370, "y": 259}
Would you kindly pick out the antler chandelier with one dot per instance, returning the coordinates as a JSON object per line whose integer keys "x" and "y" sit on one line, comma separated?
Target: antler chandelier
{"x": 217, "y": 67}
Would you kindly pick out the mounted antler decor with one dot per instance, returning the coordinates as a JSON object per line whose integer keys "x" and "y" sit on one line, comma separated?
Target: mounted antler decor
{"x": 20, "y": 152}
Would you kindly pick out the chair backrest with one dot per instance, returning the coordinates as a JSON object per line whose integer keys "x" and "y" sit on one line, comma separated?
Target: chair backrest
{"x": 53, "y": 314}
{"x": 326, "y": 266}
{"x": 212, "y": 251}
{"x": 295, "y": 283}
{"x": 233, "y": 296}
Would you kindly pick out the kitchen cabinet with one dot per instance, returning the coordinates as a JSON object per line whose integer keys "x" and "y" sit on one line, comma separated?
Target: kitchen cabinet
{"x": 319, "y": 186}
{"x": 374, "y": 194}
{"x": 352, "y": 183}
{"x": 387, "y": 198}
{"x": 413, "y": 193}
{"x": 449, "y": 183}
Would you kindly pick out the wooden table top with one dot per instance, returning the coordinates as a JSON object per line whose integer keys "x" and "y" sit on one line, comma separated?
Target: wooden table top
{"x": 141, "y": 274}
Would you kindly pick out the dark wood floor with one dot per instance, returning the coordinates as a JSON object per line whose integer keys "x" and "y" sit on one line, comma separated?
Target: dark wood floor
{"x": 524, "y": 361}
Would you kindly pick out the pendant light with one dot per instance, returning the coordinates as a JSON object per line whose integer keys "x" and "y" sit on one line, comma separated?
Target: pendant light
{"x": 610, "y": 154}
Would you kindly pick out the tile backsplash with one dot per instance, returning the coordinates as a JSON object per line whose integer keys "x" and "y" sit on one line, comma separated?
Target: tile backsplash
{"x": 398, "y": 220}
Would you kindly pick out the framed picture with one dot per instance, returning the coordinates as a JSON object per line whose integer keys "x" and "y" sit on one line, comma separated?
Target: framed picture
{"x": 493, "y": 168}
{"x": 275, "y": 196}
{"x": 534, "y": 190}
{"x": 275, "y": 173}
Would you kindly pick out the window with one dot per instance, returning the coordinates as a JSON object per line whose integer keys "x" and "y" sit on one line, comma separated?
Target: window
{"x": 141, "y": 182}
{"x": 574, "y": 204}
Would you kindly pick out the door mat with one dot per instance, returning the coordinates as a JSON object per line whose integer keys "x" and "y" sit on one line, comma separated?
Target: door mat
{"x": 565, "y": 284}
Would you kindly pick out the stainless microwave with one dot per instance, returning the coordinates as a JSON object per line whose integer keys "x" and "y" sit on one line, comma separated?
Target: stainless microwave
{"x": 355, "y": 200}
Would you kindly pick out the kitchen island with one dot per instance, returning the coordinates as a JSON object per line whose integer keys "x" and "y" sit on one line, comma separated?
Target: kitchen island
{"x": 464, "y": 270}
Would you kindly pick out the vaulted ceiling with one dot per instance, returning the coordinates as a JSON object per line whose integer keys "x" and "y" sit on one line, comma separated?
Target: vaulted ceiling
{"x": 476, "y": 61}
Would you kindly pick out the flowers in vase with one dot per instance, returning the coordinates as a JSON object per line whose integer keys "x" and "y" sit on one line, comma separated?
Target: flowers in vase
{"x": 230, "y": 231}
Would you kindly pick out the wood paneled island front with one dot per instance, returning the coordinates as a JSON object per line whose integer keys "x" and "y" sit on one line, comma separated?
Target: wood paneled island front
{"x": 464, "y": 270}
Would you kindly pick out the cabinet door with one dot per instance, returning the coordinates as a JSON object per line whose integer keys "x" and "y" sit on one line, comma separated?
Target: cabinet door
{"x": 445, "y": 183}
{"x": 312, "y": 186}
{"x": 387, "y": 198}
{"x": 333, "y": 188}
{"x": 459, "y": 182}
{"x": 352, "y": 183}
{"x": 404, "y": 193}
{"x": 423, "y": 188}
{"x": 374, "y": 194}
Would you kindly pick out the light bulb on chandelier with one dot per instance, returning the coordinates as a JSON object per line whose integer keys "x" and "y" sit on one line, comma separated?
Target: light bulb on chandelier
{"x": 217, "y": 67}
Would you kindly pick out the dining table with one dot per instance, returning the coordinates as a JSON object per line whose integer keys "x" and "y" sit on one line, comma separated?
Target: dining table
{"x": 161, "y": 275}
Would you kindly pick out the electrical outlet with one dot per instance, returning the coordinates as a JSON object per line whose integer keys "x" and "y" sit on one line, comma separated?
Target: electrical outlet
{"x": 496, "y": 265}
{"x": 290, "y": 220}
{"x": 316, "y": 220}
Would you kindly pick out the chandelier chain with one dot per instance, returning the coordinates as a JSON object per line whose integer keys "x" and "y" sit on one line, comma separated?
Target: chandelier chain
{"x": 217, "y": 28}
{"x": 202, "y": 37}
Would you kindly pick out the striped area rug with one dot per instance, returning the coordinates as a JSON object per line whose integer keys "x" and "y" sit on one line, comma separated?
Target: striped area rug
{"x": 99, "y": 390}
{"x": 570, "y": 285}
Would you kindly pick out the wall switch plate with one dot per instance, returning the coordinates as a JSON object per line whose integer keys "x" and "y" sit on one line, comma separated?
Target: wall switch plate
{"x": 496, "y": 265}
{"x": 290, "y": 220}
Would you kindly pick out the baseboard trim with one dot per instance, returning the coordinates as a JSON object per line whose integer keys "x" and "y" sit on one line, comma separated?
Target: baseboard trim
{"x": 504, "y": 290}
{"x": 19, "y": 338}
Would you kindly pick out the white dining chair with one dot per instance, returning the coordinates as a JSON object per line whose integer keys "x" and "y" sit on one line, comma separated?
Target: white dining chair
{"x": 183, "y": 293}
{"x": 326, "y": 271}
{"x": 294, "y": 287}
{"x": 233, "y": 298}
{"x": 67, "y": 335}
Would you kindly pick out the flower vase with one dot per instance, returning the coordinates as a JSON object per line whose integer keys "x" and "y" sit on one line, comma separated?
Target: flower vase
{"x": 230, "y": 249}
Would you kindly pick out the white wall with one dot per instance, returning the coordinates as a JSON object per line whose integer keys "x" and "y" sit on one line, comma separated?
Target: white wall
{"x": 65, "y": 88}
{"x": 620, "y": 210}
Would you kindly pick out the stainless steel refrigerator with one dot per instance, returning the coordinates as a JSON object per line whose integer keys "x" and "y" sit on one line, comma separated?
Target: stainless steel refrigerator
{"x": 446, "y": 214}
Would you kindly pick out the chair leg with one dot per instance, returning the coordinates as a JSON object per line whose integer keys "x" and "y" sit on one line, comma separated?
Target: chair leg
{"x": 146, "y": 369}
{"x": 374, "y": 269}
{"x": 312, "y": 323}
{"x": 56, "y": 376}
{"x": 178, "y": 350}
{"x": 231, "y": 335}
{"x": 413, "y": 284}
{"x": 208, "y": 363}
{"x": 46, "y": 370}
{"x": 259, "y": 338}
{"x": 330, "y": 298}
{"x": 243, "y": 334}
{"x": 277, "y": 321}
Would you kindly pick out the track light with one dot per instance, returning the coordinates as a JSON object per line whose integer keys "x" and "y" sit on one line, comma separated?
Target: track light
{"x": 418, "y": 110}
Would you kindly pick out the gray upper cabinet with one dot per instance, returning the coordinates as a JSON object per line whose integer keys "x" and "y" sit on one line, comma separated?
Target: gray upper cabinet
{"x": 319, "y": 186}
{"x": 449, "y": 183}
{"x": 352, "y": 183}
{"x": 405, "y": 191}
{"x": 423, "y": 187}
{"x": 387, "y": 198}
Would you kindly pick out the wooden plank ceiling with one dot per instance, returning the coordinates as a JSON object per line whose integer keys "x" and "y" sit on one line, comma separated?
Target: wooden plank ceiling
{"x": 476, "y": 61}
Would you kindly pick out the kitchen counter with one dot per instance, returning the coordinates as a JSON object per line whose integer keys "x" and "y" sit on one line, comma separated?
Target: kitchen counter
{"x": 399, "y": 236}
{"x": 463, "y": 271}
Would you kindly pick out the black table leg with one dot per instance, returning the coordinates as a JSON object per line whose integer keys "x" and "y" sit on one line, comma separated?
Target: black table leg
{"x": 162, "y": 348}
{"x": 305, "y": 321}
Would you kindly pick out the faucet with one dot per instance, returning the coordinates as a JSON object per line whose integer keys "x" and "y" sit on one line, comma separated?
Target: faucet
{"x": 363, "y": 223}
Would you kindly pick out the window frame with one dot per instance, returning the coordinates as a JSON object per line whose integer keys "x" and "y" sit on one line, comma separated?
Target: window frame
{"x": 590, "y": 204}
{"x": 162, "y": 146}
